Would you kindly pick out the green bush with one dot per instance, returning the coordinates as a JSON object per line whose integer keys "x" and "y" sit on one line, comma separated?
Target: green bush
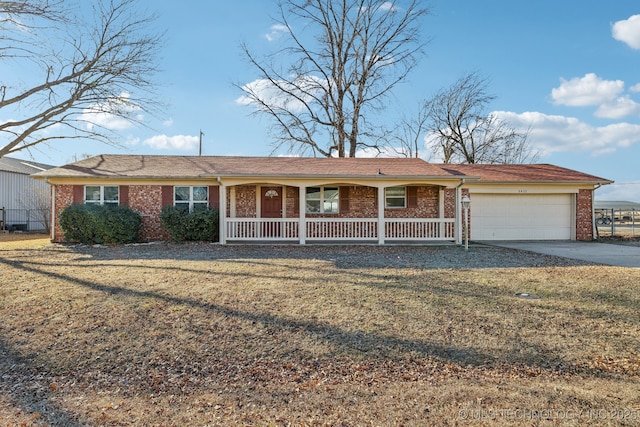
{"x": 200, "y": 225}
{"x": 100, "y": 224}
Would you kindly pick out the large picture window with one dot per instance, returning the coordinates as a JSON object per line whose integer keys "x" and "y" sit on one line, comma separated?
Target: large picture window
{"x": 191, "y": 198}
{"x": 396, "y": 197}
{"x": 101, "y": 195}
{"x": 322, "y": 200}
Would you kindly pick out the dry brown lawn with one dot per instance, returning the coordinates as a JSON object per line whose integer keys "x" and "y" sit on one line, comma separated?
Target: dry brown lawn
{"x": 201, "y": 334}
{"x": 23, "y": 240}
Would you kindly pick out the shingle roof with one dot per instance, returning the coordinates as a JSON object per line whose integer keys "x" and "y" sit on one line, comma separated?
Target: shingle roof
{"x": 143, "y": 166}
{"x": 542, "y": 173}
{"x": 25, "y": 167}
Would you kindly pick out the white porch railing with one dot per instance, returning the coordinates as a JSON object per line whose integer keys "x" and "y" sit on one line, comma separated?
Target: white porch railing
{"x": 361, "y": 229}
{"x": 256, "y": 229}
{"x": 339, "y": 229}
{"x": 419, "y": 229}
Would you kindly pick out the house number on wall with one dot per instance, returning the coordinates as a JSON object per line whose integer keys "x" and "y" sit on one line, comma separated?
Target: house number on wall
{"x": 522, "y": 190}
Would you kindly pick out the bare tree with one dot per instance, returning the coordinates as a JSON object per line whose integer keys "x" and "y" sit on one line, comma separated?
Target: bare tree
{"x": 462, "y": 132}
{"x": 92, "y": 76}
{"x": 408, "y": 137}
{"x": 344, "y": 57}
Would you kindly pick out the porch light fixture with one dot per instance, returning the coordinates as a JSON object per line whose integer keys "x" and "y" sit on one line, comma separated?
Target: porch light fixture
{"x": 466, "y": 204}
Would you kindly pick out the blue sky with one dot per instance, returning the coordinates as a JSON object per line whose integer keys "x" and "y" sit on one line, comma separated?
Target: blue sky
{"x": 567, "y": 69}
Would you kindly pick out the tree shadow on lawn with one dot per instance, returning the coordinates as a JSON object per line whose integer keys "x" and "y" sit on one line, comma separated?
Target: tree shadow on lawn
{"x": 485, "y": 293}
{"x": 386, "y": 347}
{"x": 343, "y": 256}
{"x": 373, "y": 348}
{"x": 24, "y": 385}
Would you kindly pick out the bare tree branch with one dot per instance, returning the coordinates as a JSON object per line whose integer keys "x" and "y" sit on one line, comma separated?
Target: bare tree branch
{"x": 462, "y": 131}
{"x": 93, "y": 75}
{"x": 325, "y": 99}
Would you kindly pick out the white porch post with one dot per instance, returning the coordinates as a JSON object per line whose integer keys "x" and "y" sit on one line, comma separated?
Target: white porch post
{"x": 441, "y": 212}
{"x": 381, "y": 233}
{"x": 222, "y": 213}
{"x": 302, "y": 227}
{"x": 459, "y": 215}
{"x": 53, "y": 220}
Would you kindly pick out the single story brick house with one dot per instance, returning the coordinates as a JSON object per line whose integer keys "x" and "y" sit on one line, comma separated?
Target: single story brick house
{"x": 301, "y": 200}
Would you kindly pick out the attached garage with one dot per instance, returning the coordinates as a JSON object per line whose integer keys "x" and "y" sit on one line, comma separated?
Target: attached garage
{"x": 529, "y": 202}
{"x": 522, "y": 216}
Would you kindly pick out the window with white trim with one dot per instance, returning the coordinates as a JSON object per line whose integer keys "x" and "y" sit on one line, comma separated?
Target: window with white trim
{"x": 395, "y": 197}
{"x": 101, "y": 195}
{"x": 322, "y": 200}
{"x": 191, "y": 198}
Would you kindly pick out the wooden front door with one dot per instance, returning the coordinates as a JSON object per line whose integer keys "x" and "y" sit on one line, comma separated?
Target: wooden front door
{"x": 271, "y": 207}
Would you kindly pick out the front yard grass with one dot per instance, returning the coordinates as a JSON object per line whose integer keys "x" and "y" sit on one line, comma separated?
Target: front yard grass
{"x": 200, "y": 334}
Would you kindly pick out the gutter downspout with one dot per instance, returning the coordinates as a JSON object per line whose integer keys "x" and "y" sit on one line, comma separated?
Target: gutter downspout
{"x": 459, "y": 212}
{"x": 52, "y": 218}
{"x": 593, "y": 212}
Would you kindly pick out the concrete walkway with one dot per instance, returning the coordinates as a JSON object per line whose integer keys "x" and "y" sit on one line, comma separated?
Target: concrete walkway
{"x": 600, "y": 253}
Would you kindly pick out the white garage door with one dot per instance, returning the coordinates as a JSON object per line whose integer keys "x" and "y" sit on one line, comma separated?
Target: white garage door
{"x": 521, "y": 217}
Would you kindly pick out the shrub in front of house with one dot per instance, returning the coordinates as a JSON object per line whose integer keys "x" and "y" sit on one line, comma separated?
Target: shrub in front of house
{"x": 100, "y": 224}
{"x": 182, "y": 225}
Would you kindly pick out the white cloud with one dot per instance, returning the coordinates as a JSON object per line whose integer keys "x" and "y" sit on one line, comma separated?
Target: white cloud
{"x": 628, "y": 31}
{"x": 132, "y": 141}
{"x": 168, "y": 123}
{"x": 587, "y": 90}
{"x": 635, "y": 88}
{"x": 619, "y": 108}
{"x": 263, "y": 89}
{"x": 276, "y": 32}
{"x": 102, "y": 115}
{"x": 177, "y": 142}
{"x": 388, "y": 7}
{"x": 620, "y": 191}
{"x": 553, "y": 133}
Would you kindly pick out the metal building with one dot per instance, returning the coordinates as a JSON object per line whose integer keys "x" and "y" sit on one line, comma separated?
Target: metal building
{"x": 24, "y": 202}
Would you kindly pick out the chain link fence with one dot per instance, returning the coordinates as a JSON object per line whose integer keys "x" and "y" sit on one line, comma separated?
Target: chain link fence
{"x": 618, "y": 222}
{"x": 24, "y": 220}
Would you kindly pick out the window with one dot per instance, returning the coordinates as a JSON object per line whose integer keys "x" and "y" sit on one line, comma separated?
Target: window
{"x": 322, "y": 200}
{"x": 191, "y": 198}
{"x": 396, "y": 197}
{"x": 101, "y": 195}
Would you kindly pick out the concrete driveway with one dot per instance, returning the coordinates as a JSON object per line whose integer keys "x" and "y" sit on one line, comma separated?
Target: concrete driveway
{"x": 600, "y": 253}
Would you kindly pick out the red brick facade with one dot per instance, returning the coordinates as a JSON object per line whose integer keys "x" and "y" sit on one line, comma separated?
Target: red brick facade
{"x": 63, "y": 198}
{"x": 147, "y": 201}
{"x": 584, "y": 215}
{"x": 245, "y": 201}
{"x": 362, "y": 202}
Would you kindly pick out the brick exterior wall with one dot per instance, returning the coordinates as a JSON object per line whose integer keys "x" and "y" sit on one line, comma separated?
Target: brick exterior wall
{"x": 246, "y": 201}
{"x": 584, "y": 215}
{"x": 63, "y": 198}
{"x": 450, "y": 203}
{"x": 144, "y": 199}
{"x": 292, "y": 202}
{"x": 427, "y": 205}
{"x": 147, "y": 201}
{"x": 363, "y": 203}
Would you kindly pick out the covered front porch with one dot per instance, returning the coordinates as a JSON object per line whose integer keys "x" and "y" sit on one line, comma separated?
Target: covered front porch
{"x": 333, "y": 212}
{"x": 304, "y": 230}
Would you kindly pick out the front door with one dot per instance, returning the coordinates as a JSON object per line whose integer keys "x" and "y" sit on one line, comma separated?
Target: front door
{"x": 271, "y": 207}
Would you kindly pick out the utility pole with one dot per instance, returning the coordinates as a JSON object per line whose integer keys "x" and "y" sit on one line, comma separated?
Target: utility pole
{"x": 201, "y": 135}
